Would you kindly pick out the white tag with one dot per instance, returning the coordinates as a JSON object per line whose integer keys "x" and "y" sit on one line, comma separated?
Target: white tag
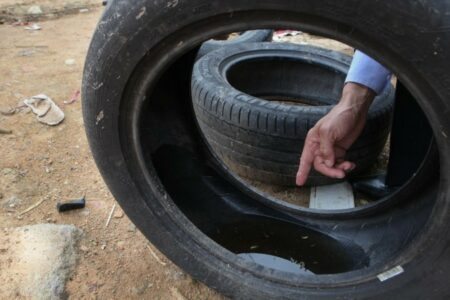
{"x": 390, "y": 273}
{"x": 335, "y": 196}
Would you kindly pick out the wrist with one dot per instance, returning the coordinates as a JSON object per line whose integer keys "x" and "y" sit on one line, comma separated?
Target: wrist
{"x": 357, "y": 96}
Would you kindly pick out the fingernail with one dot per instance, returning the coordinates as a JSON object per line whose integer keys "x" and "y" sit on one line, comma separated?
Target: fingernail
{"x": 328, "y": 163}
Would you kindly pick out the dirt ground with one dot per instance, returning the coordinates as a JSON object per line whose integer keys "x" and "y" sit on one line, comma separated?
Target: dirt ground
{"x": 51, "y": 164}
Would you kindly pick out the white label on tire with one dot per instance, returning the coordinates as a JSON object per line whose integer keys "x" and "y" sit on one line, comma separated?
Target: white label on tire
{"x": 390, "y": 273}
{"x": 333, "y": 196}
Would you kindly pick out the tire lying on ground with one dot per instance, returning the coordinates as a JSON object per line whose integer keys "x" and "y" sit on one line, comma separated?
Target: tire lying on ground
{"x": 256, "y": 102}
{"x": 251, "y": 36}
{"x": 142, "y": 132}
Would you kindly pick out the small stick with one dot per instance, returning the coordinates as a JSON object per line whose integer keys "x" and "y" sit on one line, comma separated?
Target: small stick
{"x": 32, "y": 207}
{"x": 110, "y": 215}
{"x": 5, "y": 131}
{"x": 8, "y": 112}
{"x": 73, "y": 98}
{"x": 156, "y": 256}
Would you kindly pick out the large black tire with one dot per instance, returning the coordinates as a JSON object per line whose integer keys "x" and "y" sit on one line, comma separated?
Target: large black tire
{"x": 138, "y": 118}
{"x": 251, "y": 36}
{"x": 262, "y": 139}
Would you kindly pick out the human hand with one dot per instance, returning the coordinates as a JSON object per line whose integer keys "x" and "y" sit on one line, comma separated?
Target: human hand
{"x": 328, "y": 141}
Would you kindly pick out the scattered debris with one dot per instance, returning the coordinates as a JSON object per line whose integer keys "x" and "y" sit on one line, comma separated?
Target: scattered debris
{"x": 11, "y": 202}
{"x": 33, "y": 27}
{"x": 120, "y": 245}
{"x": 69, "y": 61}
{"x": 35, "y": 10}
{"x": 156, "y": 256}
{"x": 141, "y": 287}
{"x": 26, "y": 52}
{"x": 8, "y": 112}
{"x": 73, "y": 98}
{"x": 279, "y": 34}
{"x": 118, "y": 214}
{"x": 46, "y": 110}
{"x": 39, "y": 105}
{"x": 71, "y": 205}
{"x": 32, "y": 207}
{"x": 20, "y": 23}
{"x": 32, "y": 46}
{"x": 5, "y": 131}
{"x": 131, "y": 228}
{"x": 83, "y": 10}
{"x": 110, "y": 215}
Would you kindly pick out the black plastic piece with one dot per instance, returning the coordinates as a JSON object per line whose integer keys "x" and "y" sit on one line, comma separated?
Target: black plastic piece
{"x": 71, "y": 205}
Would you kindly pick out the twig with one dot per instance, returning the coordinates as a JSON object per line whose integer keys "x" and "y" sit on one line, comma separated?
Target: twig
{"x": 31, "y": 46}
{"x": 8, "y": 112}
{"x": 32, "y": 207}
{"x": 5, "y": 131}
{"x": 110, "y": 215}
{"x": 156, "y": 256}
{"x": 73, "y": 98}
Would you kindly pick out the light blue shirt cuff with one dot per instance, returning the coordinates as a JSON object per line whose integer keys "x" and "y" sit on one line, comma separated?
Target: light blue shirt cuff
{"x": 368, "y": 72}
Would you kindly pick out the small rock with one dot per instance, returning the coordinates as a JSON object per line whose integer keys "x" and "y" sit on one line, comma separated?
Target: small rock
{"x": 118, "y": 214}
{"x": 69, "y": 61}
{"x": 33, "y": 27}
{"x": 84, "y": 248}
{"x": 131, "y": 228}
{"x": 84, "y": 10}
{"x": 7, "y": 171}
{"x": 12, "y": 202}
{"x": 141, "y": 288}
{"x": 35, "y": 10}
{"x": 42, "y": 270}
{"x": 363, "y": 202}
{"x": 176, "y": 274}
{"x": 121, "y": 245}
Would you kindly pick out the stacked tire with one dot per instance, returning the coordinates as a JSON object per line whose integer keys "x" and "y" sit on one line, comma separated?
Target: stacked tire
{"x": 255, "y": 104}
{"x": 251, "y": 36}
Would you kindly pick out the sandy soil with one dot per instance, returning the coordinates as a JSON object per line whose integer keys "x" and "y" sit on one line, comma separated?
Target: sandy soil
{"x": 54, "y": 164}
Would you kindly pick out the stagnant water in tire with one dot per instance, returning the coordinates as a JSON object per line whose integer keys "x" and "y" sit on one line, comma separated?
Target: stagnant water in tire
{"x": 280, "y": 246}
{"x": 244, "y": 226}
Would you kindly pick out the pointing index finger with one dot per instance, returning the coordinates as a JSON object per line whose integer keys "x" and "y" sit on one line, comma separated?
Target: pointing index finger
{"x": 306, "y": 161}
